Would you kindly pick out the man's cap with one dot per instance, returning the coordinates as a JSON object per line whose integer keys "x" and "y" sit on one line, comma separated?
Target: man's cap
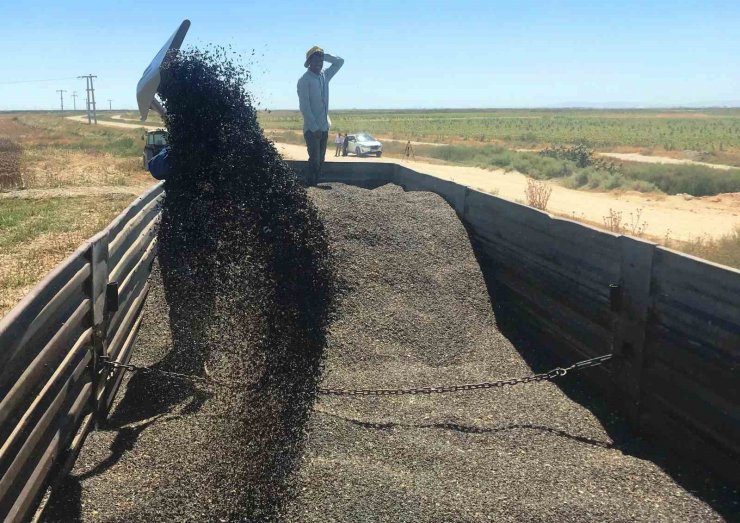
{"x": 315, "y": 49}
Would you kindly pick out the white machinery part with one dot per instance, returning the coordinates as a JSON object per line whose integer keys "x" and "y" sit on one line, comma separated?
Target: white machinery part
{"x": 147, "y": 87}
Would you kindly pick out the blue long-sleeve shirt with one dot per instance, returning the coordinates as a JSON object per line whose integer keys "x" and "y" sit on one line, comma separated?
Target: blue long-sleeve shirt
{"x": 159, "y": 165}
{"x": 313, "y": 95}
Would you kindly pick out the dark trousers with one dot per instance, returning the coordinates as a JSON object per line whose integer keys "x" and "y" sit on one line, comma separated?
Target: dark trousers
{"x": 316, "y": 145}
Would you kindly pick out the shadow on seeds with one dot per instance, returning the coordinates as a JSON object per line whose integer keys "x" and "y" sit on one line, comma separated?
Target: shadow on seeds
{"x": 65, "y": 504}
{"x": 529, "y": 343}
{"x": 468, "y": 429}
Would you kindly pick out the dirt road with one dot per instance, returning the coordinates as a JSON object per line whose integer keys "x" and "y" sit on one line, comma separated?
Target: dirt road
{"x": 75, "y": 191}
{"x": 108, "y": 123}
{"x": 679, "y": 217}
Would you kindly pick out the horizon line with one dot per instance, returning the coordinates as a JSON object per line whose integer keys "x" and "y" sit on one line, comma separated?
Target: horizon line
{"x": 594, "y": 107}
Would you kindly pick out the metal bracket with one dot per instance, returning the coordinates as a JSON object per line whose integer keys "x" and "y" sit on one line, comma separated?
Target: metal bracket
{"x": 111, "y": 297}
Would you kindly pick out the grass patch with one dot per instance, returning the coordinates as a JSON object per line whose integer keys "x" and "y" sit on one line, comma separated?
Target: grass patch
{"x": 22, "y": 221}
{"x": 55, "y": 152}
{"x": 696, "y": 180}
{"x": 25, "y": 220}
{"x": 724, "y": 250}
{"x": 497, "y": 157}
{"x": 35, "y": 131}
{"x": 35, "y": 235}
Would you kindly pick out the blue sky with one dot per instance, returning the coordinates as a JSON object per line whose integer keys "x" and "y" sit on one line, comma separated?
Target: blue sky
{"x": 399, "y": 54}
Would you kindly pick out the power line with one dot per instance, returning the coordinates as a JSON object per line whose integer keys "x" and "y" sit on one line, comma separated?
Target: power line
{"x": 37, "y": 81}
{"x": 74, "y": 100}
{"x": 110, "y": 107}
{"x": 61, "y": 97}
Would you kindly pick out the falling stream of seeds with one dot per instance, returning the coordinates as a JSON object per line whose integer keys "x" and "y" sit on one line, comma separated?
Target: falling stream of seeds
{"x": 248, "y": 277}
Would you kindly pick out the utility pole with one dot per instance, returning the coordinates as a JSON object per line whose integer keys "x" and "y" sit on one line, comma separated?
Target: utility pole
{"x": 74, "y": 100}
{"x": 87, "y": 100}
{"x": 61, "y": 97}
{"x": 91, "y": 112}
{"x": 110, "y": 107}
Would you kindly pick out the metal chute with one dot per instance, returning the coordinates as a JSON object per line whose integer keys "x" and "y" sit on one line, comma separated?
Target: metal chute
{"x": 147, "y": 87}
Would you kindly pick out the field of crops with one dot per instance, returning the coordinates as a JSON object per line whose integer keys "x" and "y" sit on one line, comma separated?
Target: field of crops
{"x": 709, "y": 130}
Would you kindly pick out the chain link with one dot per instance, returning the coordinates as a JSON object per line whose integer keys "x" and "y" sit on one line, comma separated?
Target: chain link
{"x": 555, "y": 373}
{"x": 136, "y": 369}
{"x": 545, "y": 376}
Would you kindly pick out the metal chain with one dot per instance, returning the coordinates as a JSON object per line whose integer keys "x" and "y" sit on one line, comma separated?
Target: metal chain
{"x": 135, "y": 369}
{"x": 545, "y": 376}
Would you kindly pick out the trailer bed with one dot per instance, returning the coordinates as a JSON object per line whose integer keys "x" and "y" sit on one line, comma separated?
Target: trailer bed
{"x": 416, "y": 311}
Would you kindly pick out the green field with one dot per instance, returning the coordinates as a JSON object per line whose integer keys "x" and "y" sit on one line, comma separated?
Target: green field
{"x": 707, "y": 130}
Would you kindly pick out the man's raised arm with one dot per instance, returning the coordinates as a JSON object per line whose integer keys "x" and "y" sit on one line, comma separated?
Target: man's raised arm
{"x": 336, "y": 65}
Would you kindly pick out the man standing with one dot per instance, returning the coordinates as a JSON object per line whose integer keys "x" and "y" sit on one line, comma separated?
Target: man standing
{"x": 313, "y": 100}
{"x": 345, "y": 144}
{"x": 338, "y": 140}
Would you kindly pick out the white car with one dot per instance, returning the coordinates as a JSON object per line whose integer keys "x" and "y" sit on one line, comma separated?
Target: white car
{"x": 362, "y": 144}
